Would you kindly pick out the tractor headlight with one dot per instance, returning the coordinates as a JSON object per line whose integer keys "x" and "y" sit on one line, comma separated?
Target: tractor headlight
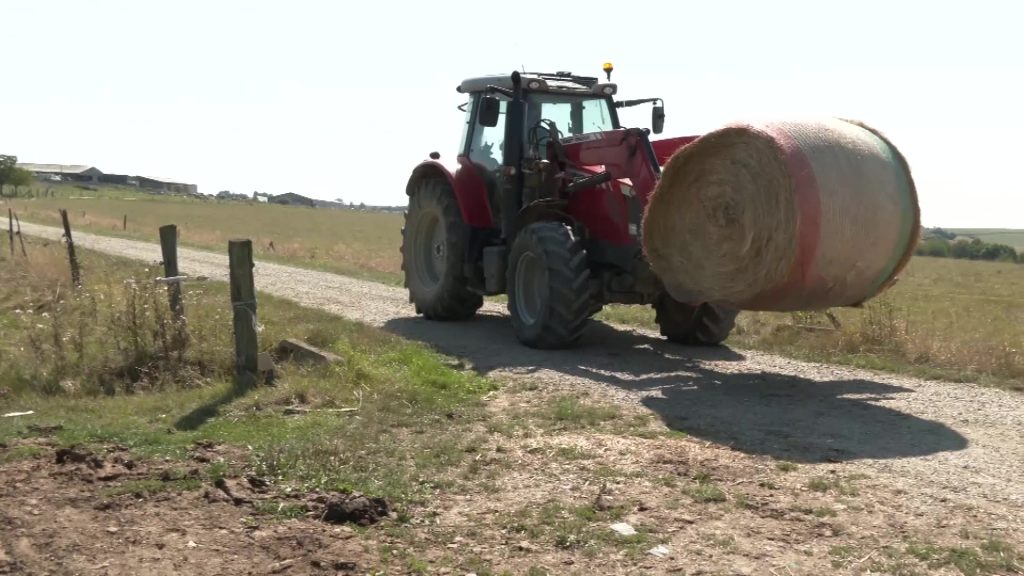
{"x": 606, "y": 89}
{"x": 536, "y": 84}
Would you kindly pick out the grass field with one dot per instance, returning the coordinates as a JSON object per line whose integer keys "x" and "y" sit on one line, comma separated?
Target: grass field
{"x": 155, "y": 444}
{"x": 361, "y": 244}
{"x": 1006, "y": 236}
{"x": 949, "y": 319}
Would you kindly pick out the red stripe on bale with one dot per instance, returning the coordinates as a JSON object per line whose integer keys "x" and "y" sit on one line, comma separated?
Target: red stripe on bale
{"x": 808, "y": 199}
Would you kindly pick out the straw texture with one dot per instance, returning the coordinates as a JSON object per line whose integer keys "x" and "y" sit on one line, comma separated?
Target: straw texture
{"x": 783, "y": 216}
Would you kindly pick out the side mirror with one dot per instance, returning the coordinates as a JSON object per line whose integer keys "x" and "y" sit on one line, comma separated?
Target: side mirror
{"x": 490, "y": 108}
{"x": 658, "y": 119}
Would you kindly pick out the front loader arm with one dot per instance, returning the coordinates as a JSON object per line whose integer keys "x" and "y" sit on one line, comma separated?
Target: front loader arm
{"x": 622, "y": 172}
{"x": 623, "y": 154}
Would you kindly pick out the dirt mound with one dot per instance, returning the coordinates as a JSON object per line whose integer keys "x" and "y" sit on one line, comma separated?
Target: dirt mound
{"x": 355, "y": 509}
{"x": 92, "y": 467}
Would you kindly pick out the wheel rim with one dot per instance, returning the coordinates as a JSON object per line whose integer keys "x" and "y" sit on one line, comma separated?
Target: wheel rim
{"x": 429, "y": 244}
{"x": 530, "y": 284}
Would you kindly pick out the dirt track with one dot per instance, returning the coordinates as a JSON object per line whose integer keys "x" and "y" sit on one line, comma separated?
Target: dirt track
{"x": 944, "y": 444}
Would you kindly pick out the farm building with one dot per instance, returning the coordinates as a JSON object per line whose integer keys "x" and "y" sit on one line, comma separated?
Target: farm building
{"x": 69, "y": 172}
{"x": 166, "y": 185}
{"x": 122, "y": 179}
{"x": 293, "y": 199}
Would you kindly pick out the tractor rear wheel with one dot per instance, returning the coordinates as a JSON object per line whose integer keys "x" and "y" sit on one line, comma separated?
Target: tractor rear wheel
{"x": 703, "y": 325}
{"x": 549, "y": 293}
{"x": 433, "y": 250}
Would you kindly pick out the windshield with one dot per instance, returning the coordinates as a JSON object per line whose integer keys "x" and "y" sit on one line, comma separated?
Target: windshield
{"x": 572, "y": 114}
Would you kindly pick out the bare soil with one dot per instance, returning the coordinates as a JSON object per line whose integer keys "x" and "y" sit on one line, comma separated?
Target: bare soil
{"x": 890, "y": 471}
{"x": 71, "y": 511}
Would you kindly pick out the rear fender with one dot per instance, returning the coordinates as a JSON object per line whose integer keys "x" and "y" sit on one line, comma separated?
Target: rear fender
{"x": 428, "y": 170}
{"x": 467, "y": 186}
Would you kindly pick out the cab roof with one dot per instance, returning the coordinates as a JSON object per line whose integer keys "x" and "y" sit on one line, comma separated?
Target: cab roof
{"x": 564, "y": 82}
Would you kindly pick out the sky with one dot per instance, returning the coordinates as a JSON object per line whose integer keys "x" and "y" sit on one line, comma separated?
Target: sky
{"x": 342, "y": 100}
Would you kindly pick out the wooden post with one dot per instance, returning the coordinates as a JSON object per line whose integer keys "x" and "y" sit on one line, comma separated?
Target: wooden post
{"x": 21, "y": 239}
{"x": 10, "y": 230}
{"x": 169, "y": 248}
{"x": 243, "y": 302}
{"x": 76, "y": 279}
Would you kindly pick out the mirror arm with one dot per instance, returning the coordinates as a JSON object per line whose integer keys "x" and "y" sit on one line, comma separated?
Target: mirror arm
{"x": 631, "y": 103}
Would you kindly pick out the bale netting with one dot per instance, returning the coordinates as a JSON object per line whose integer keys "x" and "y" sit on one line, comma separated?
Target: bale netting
{"x": 783, "y": 216}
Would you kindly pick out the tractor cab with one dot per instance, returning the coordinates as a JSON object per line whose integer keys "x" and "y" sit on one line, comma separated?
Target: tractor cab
{"x": 516, "y": 127}
{"x": 571, "y": 105}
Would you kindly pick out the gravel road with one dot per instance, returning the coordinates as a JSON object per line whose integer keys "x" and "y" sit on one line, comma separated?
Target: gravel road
{"x": 944, "y": 443}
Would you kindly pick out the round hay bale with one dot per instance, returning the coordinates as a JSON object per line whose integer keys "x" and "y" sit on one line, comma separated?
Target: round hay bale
{"x": 783, "y": 216}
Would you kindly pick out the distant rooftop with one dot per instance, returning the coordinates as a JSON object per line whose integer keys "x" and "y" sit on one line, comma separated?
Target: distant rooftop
{"x": 57, "y": 168}
{"x": 163, "y": 180}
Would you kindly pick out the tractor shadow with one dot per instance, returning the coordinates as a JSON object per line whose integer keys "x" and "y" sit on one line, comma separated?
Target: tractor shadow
{"x": 709, "y": 393}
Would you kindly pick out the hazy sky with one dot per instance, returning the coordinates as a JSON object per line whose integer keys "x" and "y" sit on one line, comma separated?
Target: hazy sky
{"x": 335, "y": 99}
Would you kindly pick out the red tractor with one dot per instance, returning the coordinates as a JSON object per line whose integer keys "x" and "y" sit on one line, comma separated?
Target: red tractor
{"x": 545, "y": 205}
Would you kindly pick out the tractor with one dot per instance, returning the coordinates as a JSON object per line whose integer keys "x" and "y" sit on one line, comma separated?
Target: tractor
{"x": 544, "y": 203}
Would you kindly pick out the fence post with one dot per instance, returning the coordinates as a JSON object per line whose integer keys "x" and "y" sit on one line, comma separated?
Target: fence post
{"x": 169, "y": 248}
{"x": 76, "y": 279}
{"x": 243, "y": 303}
{"x": 124, "y": 223}
{"x": 21, "y": 239}
{"x": 10, "y": 230}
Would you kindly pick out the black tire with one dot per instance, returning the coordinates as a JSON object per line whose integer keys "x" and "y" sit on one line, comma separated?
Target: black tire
{"x": 433, "y": 253}
{"x": 703, "y": 325}
{"x": 550, "y": 297}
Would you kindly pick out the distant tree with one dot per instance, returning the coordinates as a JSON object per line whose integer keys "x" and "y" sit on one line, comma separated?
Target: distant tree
{"x": 934, "y": 247}
{"x": 960, "y": 249}
{"x": 8, "y": 169}
{"x": 944, "y": 234}
{"x": 20, "y": 177}
{"x": 998, "y": 252}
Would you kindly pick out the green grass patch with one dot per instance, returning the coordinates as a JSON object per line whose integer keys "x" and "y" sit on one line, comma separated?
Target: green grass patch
{"x": 149, "y": 487}
{"x": 704, "y": 490}
{"x": 843, "y": 486}
{"x": 580, "y": 528}
{"x": 407, "y": 435}
{"x": 280, "y": 510}
{"x": 991, "y": 556}
{"x": 19, "y": 453}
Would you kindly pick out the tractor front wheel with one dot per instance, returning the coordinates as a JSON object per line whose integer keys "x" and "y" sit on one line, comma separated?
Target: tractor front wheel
{"x": 549, "y": 293}
{"x": 703, "y": 325}
{"x": 433, "y": 249}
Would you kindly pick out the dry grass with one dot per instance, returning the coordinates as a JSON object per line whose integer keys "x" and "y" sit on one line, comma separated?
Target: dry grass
{"x": 114, "y": 334}
{"x": 361, "y": 244}
{"x": 949, "y": 319}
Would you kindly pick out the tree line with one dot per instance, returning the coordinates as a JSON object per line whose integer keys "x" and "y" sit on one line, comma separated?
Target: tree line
{"x": 11, "y": 174}
{"x": 940, "y": 243}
